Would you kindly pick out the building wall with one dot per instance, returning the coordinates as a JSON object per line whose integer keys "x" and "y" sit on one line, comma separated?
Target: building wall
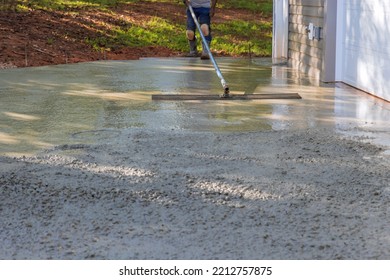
{"x": 364, "y": 45}
{"x": 353, "y": 46}
{"x": 280, "y": 29}
{"x": 305, "y": 54}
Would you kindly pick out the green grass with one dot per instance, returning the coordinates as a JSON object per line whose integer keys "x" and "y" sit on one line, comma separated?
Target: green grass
{"x": 70, "y": 4}
{"x": 155, "y": 32}
{"x": 262, "y": 6}
{"x": 235, "y": 37}
{"x": 151, "y": 34}
{"x": 256, "y": 40}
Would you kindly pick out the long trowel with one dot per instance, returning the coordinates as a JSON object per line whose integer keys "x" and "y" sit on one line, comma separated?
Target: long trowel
{"x": 226, "y": 91}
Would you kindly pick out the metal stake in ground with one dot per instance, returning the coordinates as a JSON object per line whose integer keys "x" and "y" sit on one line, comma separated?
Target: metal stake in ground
{"x": 223, "y": 81}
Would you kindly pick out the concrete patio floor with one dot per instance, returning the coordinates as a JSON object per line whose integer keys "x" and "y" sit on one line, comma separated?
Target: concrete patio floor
{"x": 46, "y": 106}
{"x": 92, "y": 168}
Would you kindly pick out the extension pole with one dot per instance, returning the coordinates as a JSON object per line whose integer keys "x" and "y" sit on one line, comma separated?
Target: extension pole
{"x": 223, "y": 81}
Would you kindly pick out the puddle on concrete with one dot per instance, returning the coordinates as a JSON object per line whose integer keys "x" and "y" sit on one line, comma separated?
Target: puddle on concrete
{"x": 81, "y": 103}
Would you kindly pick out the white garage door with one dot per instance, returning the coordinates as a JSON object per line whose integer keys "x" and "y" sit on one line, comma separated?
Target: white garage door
{"x": 364, "y": 42}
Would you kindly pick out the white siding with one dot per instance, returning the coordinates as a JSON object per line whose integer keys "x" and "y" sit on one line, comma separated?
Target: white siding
{"x": 365, "y": 45}
{"x": 280, "y": 29}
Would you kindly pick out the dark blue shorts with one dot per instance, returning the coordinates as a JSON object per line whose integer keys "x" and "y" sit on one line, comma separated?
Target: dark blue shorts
{"x": 203, "y": 17}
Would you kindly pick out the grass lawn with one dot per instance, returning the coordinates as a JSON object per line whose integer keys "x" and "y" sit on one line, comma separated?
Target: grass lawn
{"x": 240, "y": 26}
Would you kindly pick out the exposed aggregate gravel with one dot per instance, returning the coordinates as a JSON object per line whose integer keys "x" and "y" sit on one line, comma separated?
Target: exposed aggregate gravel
{"x": 180, "y": 194}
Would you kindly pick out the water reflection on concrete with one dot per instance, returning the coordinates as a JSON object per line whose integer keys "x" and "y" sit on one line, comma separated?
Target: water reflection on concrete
{"x": 81, "y": 103}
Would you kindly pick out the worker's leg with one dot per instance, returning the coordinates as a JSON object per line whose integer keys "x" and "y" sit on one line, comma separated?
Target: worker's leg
{"x": 205, "y": 23}
{"x": 190, "y": 34}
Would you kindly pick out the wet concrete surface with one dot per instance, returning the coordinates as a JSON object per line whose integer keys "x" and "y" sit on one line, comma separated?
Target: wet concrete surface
{"x": 132, "y": 178}
{"x": 74, "y": 104}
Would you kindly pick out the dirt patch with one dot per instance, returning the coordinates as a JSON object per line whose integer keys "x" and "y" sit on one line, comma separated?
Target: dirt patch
{"x": 38, "y": 37}
{"x": 43, "y": 38}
